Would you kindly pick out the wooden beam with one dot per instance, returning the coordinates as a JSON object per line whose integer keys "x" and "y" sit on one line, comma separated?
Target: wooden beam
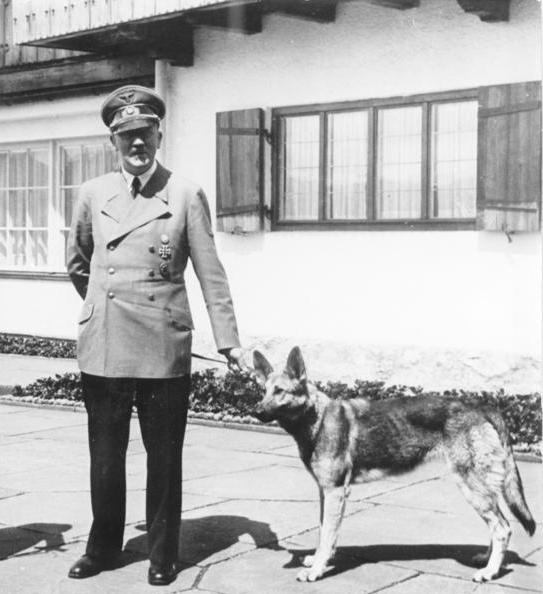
{"x": 74, "y": 77}
{"x": 170, "y": 39}
{"x": 400, "y": 4}
{"x": 322, "y": 11}
{"x": 243, "y": 18}
{"x": 487, "y": 10}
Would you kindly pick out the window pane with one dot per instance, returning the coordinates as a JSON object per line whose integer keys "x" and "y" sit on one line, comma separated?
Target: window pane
{"x": 3, "y": 207}
{"x": 3, "y": 170}
{"x": 71, "y": 165}
{"x": 347, "y": 165}
{"x": 17, "y": 169}
{"x": 399, "y": 194}
{"x": 3, "y": 248}
{"x": 93, "y": 161}
{"x": 301, "y": 169}
{"x": 38, "y": 247}
{"x": 17, "y": 208}
{"x": 69, "y": 198}
{"x": 38, "y": 168}
{"x": 17, "y": 247}
{"x": 454, "y": 160}
{"x": 111, "y": 158}
{"x": 37, "y": 208}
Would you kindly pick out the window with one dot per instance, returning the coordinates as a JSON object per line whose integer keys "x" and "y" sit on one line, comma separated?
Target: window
{"x": 393, "y": 162}
{"x": 38, "y": 186}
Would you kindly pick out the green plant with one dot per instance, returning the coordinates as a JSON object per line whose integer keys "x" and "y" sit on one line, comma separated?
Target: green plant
{"x": 20, "y": 344}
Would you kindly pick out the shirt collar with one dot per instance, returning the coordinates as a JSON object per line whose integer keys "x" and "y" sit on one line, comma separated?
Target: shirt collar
{"x": 144, "y": 177}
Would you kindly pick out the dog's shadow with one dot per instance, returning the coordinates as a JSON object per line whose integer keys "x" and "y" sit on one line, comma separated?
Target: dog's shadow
{"x": 16, "y": 539}
{"x": 350, "y": 557}
{"x": 204, "y": 537}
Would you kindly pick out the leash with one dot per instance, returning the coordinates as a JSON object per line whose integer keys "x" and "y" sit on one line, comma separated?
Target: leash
{"x": 197, "y": 356}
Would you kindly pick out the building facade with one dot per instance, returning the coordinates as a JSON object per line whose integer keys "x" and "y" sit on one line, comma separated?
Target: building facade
{"x": 374, "y": 173}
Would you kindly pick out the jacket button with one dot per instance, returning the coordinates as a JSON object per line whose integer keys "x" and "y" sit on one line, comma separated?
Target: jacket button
{"x": 151, "y": 297}
{"x": 111, "y": 247}
{"x": 152, "y": 249}
{"x": 111, "y": 294}
{"x": 111, "y": 270}
{"x": 151, "y": 273}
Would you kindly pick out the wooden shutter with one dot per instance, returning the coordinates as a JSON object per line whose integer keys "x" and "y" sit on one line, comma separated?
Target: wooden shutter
{"x": 240, "y": 171}
{"x": 509, "y": 162}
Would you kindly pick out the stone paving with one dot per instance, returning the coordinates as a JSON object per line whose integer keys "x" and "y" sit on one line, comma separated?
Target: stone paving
{"x": 250, "y": 514}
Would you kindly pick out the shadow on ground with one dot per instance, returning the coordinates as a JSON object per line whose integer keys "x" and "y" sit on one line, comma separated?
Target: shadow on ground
{"x": 201, "y": 538}
{"x": 348, "y": 558}
{"x": 15, "y": 539}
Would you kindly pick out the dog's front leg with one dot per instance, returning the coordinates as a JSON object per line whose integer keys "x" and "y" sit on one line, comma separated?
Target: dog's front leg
{"x": 309, "y": 559}
{"x": 333, "y": 509}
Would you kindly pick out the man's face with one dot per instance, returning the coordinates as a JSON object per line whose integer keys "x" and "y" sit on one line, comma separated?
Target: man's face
{"x": 137, "y": 148}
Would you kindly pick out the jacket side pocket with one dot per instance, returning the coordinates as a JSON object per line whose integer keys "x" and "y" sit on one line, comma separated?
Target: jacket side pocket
{"x": 86, "y": 313}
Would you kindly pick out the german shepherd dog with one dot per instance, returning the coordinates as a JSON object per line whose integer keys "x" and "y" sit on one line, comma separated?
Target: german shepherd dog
{"x": 343, "y": 441}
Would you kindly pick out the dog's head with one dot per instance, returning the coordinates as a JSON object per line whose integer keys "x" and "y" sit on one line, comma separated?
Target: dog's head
{"x": 286, "y": 397}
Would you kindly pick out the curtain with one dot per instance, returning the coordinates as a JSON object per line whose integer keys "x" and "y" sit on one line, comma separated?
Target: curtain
{"x": 399, "y": 157}
{"x": 347, "y": 165}
{"x": 301, "y": 169}
{"x": 454, "y": 160}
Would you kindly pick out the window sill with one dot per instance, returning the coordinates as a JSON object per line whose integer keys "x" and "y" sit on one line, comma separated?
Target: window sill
{"x": 396, "y": 225}
{"x": 34, "y": 275}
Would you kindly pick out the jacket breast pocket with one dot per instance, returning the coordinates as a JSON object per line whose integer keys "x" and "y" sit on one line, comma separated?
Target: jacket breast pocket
{"x": 86, "y": 313}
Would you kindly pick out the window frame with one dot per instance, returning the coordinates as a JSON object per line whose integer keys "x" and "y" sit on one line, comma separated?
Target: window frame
{"x": 425, "y": 100}
{"x": 55, "y": 268}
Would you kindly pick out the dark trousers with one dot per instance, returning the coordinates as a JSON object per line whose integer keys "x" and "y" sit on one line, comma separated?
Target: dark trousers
{"x": 162, "y": 411}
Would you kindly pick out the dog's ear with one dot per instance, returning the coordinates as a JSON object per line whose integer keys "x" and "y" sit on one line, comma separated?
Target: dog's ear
{"x": 295, "y": 368}
{"x": 261, "y": 365}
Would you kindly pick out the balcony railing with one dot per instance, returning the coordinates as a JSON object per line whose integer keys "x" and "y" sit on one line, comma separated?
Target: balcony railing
{"x": 44, "y": 19}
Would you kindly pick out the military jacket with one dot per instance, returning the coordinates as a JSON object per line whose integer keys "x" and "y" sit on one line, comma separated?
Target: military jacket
{"x": 126, "y": 258}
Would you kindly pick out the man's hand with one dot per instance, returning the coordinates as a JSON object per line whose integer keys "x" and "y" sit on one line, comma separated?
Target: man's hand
{"x": 235, "y": 358}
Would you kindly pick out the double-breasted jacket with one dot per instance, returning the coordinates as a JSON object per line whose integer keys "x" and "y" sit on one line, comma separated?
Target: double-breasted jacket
{"x": 126, "y": 258}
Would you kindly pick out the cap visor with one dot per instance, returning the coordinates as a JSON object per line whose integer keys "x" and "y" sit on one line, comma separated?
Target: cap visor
{"x": 135, "y": 124}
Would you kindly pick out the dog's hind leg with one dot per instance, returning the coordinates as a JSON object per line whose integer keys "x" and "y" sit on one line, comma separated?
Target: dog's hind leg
{"x": 484, "y": 500}
{"x": 332, "y": 513}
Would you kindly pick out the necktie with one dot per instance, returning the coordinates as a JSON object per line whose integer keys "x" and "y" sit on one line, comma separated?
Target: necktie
{"x": 136, "y": 187}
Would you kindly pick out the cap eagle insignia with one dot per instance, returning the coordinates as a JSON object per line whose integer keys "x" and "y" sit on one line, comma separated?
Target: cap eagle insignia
{"x": 127, "y": 97}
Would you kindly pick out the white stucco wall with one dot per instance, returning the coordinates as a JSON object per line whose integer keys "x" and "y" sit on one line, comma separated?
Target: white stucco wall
{"x": 472, "y": 294}
{"x": 436, "y": 290}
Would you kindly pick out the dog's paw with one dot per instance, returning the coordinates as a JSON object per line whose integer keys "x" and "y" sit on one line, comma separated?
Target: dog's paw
{"x": 484, "y": 575}
{"x": 308, "y": 560}
{"x": 309, "y": 574}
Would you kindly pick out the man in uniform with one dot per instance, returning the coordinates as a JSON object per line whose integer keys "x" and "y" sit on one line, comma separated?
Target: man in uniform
{"x": 132, "y": 233}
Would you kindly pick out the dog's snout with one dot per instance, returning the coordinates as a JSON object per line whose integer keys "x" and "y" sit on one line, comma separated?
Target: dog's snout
{"x": 260, "y": 412}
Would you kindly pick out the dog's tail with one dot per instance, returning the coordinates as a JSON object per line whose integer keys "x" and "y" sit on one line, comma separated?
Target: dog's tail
{"x": 513, "y": 491}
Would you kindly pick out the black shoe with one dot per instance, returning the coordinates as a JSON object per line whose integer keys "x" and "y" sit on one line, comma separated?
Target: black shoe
{"x": 160, "y": 575}
{"x": 87, "y": 566}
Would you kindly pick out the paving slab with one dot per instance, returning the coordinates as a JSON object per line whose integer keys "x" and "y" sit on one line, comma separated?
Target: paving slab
{"x": 430, "y": 584}
{"x": 23, "y": 421}
{"x": 23, "y": 370}
{"x": 205, "y": 461}
{"x": 444, "y": 495}
{"x": 203, "y": 541}
{"x": 269, "y": 571}
{"x": 245, "y": 441}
